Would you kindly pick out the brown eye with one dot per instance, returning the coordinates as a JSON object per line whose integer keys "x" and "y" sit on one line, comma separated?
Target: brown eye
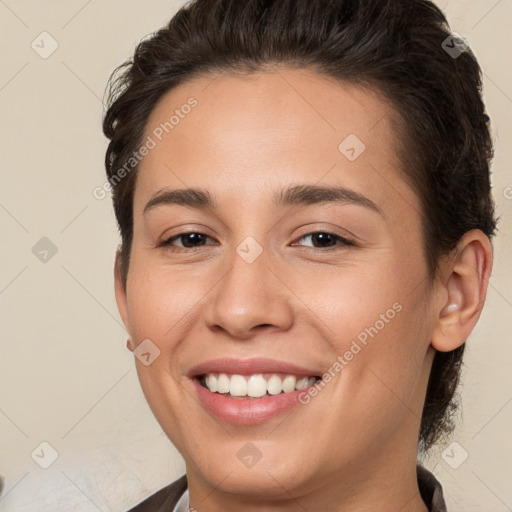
{"x": 189, "y": 240}
{"x": 322, "y": 239}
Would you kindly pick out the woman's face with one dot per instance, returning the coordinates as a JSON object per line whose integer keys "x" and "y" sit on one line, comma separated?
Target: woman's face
{"x": 278, "y": 280}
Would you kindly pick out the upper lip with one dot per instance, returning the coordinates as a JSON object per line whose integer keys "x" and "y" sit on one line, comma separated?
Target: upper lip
{"x": 250, "y": 366}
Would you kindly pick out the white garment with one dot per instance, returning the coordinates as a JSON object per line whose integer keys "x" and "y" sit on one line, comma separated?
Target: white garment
{"x": 184, "y": 504}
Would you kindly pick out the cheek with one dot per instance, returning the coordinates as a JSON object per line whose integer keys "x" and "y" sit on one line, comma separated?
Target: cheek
{"x": 377, "y": 327}
{"x": 382, "y": 362}
{"x": 355, "y": 303}
{"x": 161, "y": 297}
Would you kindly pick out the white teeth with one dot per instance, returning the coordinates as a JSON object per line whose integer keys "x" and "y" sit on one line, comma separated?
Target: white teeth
{"x": 255, "y": 386}
{"x": 222, "y": 383}
{"x": 211, "y": 382}
{"x": 289, "y": 383}
{"x": 274, "y": 385}
{"x": 301, "y": 383}
{"x": 238, "y": 386}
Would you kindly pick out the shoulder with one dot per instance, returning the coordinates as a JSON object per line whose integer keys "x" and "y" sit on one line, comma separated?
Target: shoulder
{"x": 164, "y": 499}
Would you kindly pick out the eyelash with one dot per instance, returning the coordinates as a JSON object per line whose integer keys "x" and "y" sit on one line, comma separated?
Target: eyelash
{"x": 167, "y": 244}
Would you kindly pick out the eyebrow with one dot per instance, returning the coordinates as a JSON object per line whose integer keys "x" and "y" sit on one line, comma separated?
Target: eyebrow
{"x": 297, "y": 195}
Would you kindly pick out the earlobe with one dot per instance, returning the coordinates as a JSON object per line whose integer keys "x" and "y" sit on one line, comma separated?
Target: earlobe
{"x": 465, "y": 285}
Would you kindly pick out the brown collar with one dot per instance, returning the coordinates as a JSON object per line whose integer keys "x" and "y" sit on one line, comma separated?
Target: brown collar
{"x": 431, "y": 490}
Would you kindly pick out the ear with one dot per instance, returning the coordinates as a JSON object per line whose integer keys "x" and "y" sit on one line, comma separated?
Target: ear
{"x": 121, "y": 296}
{"x": 465, "y": 279}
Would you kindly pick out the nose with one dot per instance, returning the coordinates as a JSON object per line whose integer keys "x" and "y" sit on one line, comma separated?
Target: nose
{"x": 250, "y": 297}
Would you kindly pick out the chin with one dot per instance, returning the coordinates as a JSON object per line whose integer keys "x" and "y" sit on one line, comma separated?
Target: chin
{"x": 271, "y": 472}
{"x": 256, "y": 482}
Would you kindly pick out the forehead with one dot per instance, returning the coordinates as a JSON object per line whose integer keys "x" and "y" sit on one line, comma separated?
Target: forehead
{"x": 268, "y": 129}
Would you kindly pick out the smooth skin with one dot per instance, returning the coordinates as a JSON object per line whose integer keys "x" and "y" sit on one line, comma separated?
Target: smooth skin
{"x": 353, "y": 447}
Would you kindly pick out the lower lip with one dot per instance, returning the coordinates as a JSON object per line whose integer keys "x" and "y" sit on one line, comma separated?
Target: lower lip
{"x": 246, "y": 411}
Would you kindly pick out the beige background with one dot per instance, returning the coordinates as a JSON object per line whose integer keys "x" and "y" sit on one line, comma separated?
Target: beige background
{"x": 65, "y": 375}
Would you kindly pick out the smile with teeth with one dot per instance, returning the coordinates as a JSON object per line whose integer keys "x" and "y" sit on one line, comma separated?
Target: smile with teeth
{"x": 254, "y": 386}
